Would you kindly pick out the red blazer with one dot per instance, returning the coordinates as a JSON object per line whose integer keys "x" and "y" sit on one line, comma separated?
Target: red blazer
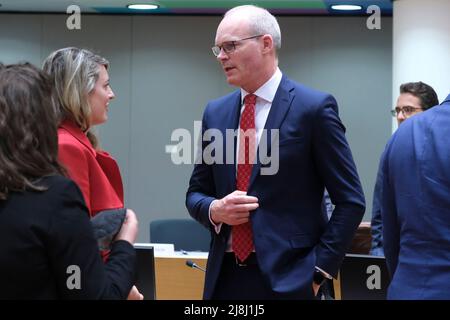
{"x": 95, "y": 172}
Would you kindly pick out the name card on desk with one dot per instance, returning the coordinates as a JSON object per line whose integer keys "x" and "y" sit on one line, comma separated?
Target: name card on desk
{"x": 191, "y": 254}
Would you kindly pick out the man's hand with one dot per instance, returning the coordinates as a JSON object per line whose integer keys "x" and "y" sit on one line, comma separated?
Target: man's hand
{"x": 135, "y": 294}
{"x": 316, "y": 288}
{"x": 233, "y": 209}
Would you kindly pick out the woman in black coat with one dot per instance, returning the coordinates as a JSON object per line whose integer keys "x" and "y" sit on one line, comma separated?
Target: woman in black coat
{"x": 47, "y": 245}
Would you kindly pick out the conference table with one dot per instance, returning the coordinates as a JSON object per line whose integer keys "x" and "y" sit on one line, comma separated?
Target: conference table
{"x": 174, "y": 280}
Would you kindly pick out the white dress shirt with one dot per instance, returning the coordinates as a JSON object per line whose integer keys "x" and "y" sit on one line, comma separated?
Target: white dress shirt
{"x": 264, "y": 97}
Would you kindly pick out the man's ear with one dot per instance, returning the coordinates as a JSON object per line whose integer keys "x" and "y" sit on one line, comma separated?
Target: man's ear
{"x": 267, "y": 43}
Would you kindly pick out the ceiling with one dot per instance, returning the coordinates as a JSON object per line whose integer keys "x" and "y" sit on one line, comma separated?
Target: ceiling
{"x": 183, "y": 7}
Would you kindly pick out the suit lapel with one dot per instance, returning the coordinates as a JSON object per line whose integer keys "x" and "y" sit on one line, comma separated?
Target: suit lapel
{"x": 232, "y": 122}
{"x": 278, "y": 111}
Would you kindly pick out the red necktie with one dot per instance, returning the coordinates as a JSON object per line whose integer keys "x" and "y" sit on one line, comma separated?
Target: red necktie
{"x": 242, "y": 235}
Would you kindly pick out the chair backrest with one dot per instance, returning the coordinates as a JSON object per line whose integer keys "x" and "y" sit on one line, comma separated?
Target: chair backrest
{"x": 185, "y": 234}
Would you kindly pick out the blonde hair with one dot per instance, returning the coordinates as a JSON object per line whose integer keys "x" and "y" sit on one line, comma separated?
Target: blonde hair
{"x": 74, "y": 73}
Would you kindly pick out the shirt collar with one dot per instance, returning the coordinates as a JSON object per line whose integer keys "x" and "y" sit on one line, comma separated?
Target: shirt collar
{"x": 268, "y": 90}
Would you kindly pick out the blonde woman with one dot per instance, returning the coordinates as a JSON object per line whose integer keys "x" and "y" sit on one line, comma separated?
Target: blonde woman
{"x": 82, "y": 95}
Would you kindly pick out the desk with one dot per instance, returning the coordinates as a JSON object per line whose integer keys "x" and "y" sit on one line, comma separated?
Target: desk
{"x": 174, "y": 280}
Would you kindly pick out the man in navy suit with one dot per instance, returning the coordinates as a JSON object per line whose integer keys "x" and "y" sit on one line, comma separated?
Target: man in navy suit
{"x": 270, "y": 236}
{"x": 416, "y": 206}
{"x": 414, "y": 98}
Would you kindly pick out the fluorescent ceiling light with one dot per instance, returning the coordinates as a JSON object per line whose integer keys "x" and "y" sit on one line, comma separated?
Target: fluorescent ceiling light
{"x": 346, "y": 7}
{"x": 141, "y": 6}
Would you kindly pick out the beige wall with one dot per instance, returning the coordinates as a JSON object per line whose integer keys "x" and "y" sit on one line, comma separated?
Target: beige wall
{"x": 163, "y": 74}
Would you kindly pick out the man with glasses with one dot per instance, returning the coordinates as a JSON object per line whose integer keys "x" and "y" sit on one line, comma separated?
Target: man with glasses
{"x": 270, "y": 237}
{"x": 415, "y": 206}
{"x": 415, "y": 97}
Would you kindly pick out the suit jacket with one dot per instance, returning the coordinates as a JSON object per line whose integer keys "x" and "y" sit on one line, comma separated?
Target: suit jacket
{"x": 44, "y": 234}
{"x": 416, "y": 206}
{"x": 376, "y": 225}
{"x": 95, "y": 172}
{"x": 291, "y": 233}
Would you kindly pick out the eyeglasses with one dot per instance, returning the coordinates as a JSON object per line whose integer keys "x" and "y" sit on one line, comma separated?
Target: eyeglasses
{"x": 230, "y": 46}
{"x": 407, "y": 111}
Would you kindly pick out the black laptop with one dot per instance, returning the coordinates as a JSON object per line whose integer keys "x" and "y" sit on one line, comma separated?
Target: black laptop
{"x": 145, "y": 264}
{"x": 363, "y": 277}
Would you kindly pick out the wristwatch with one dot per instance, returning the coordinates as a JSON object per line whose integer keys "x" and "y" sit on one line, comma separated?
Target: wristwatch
{"x": 319, "y": 278}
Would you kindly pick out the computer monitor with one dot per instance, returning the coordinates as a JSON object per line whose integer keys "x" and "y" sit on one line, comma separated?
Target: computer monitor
{"x": 363, "y": 277}
{"x": 145, "y": 270}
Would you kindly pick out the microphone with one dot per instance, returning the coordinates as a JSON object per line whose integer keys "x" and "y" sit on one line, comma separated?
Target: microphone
{"x": 193, "y": 265}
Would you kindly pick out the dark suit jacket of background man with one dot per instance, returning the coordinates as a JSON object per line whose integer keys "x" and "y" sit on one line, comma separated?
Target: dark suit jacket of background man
{"x": 416, "y": 206}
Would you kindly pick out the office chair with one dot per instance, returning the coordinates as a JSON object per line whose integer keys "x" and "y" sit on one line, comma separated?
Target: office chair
{"x": 185, "y": 234}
